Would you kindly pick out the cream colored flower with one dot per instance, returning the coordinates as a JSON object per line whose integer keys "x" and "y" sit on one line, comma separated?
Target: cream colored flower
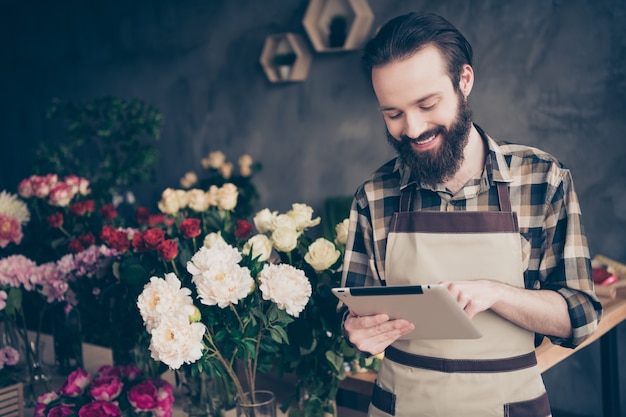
{"x": 245, "y": 165}
{"x": 214, "y": 160}
{"x": 198, "y": 200}
{"x": 260, "y": 245}
{"x": 163, "y": 297}
{"x": 205, "y": 258}
{"x": 226, "y": 170}
{"x": 302, "y": 215}
{"x": 285, "y": 221}
{"x": 286, "y": 286}
{"x": 189, "y": 180}
{"x": 176, "y": 341}
{"x": 227, "y": 197}
{"x": 264, "y": 220}
{"x": 285, "y": 239}
{"x": 342, "y": 232}
{"x": 223, "y": 284}
{"x": 12, "y": 206}
{"x": 169, "y": 203}
{"x": 321, "y": 254}
{"x": 212, "y": 238}
{"x": 212, "y": 195}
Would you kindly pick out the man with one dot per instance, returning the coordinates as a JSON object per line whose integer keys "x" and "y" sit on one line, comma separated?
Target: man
{"x": 498, "y": 224}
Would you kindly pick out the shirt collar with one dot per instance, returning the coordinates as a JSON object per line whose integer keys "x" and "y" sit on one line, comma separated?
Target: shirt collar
{"x": 496, "y": 168}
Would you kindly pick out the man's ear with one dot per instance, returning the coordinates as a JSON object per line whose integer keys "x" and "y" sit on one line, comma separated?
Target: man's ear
{"x": 466, "y": 80}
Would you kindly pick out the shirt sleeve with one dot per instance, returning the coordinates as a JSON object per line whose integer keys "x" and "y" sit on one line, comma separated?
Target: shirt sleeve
{"x": 565, "y": 266}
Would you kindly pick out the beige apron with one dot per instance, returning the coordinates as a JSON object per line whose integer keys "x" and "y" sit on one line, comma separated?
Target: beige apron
{"x": 495, "y": 375}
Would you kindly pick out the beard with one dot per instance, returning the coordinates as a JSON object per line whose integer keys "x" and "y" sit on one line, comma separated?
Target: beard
{"x": 435, "y": 166}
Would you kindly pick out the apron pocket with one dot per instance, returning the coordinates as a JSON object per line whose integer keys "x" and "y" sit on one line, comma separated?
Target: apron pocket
{"x": 384, "y": 400}
{"x": 537, "y": 407}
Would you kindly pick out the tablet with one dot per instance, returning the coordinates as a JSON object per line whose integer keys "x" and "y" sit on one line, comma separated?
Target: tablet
{"x": 431, "y": 308}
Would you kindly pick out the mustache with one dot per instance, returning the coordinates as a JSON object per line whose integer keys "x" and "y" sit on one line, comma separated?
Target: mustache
{"x": 423, "y": 136}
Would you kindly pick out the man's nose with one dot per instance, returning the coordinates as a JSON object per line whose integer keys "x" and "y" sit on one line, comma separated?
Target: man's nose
{"x": 414, "y": 125}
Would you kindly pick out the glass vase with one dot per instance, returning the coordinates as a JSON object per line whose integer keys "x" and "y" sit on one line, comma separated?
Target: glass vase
{"x": 261, "y": 404}
{"x": 67, "y": 335}
{"x": 198, "y": 400}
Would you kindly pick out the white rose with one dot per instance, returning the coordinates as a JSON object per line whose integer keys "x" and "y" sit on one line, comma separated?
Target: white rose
{"x": 342, "y": 232}
{"x": 260, "y": 245}
{"x": 169, "y": 203}
{"x": 215, "y": 160}
{"x": 286, "y": 286}
{"x": 285, "y": 221}
{"x": 245, "y": 165}
{"x": 212, "y": 238}
{"x": 227, "y": 197}
{"x": 226, "y": 170}
{"x": 264, "y": 220}
{"x": 321, "y": 254}
{"x": 189, "y": 180}
{"x": 302, "y": 214}
{"x": 285, "y": 239}
{"x": 198, "y": 200}
{"x": 212, "y": 195}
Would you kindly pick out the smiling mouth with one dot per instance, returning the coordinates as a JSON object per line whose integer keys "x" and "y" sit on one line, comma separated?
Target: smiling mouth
{"x": 424, "y": 141}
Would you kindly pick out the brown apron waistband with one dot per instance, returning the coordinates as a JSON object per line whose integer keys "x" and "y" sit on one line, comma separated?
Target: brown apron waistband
{"x": 461, "y": 365}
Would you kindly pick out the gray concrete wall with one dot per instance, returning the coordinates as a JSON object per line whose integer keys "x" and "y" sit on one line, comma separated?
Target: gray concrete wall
{"x": 548, "y": 73}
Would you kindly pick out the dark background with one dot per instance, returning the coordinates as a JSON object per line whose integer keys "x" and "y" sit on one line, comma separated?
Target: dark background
{"x": 548, "y": 73}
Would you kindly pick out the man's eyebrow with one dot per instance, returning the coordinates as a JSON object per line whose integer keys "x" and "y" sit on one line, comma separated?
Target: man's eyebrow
{"x": 416, "y": 102}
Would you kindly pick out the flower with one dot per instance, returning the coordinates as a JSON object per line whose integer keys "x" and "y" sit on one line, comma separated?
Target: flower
{"x": 258, "y": 246}
{"x": 321, "y": 254}
{"x": 14, "y": 214}
{"x": 112, "y": 392}
{"x": 342, "y": 232}
{"x": 286, "y": 286}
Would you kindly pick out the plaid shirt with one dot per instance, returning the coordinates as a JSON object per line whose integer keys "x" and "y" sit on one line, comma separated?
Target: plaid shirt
{"x": 554, "y": 247}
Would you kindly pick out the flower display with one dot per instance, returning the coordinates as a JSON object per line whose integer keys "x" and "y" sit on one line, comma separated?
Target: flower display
{"x": 112, "y": 391}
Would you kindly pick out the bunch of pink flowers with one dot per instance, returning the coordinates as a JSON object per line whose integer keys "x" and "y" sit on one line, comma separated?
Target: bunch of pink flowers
{"x": 59, "y": 193}
{"x": 114, "y": 391}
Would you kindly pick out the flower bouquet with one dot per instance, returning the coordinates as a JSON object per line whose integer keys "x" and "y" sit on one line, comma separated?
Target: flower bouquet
{"x": 114, "y": 391}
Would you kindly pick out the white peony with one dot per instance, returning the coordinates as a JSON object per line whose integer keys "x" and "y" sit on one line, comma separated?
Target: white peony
{"x": 259, "y": 245}
{"x": 176, "y": 341}
{"x": 163, "y": 297}
{"x": 342, "y": 232}
{"x": 12, "y": 206}
{"x": 227, "y": 197}
{"x": 321, "y": 254}
{"x": 223, "y": 284}
{"x": 302, "y": 214}
{"x": 285, "y": 239}
{"x": 286, "y": 286}
{"x": 264, "y": 220}
{"x": 220, "y": 252}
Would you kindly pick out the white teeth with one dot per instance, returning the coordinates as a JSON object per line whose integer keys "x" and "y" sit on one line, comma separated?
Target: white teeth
{"x": 425, "y": 141}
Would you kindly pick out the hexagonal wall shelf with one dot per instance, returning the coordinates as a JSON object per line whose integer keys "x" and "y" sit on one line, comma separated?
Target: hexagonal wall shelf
{"x": 286, "y": 57}
{"x": 338, "y": 25}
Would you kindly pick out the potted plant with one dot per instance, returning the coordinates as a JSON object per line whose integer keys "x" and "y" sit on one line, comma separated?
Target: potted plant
{"x": 284, "y": 62}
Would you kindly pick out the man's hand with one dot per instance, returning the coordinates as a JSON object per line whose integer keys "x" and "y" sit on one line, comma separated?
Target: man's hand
{"x": 373, "y": 334}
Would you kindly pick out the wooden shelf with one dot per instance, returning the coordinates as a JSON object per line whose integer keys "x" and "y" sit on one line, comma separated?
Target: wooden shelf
{"x": 285, "y": 43}
{"x": 319, "y": 14}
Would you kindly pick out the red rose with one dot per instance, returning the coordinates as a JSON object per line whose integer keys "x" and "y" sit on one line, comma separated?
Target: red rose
{"x": 106, "y": 232}
{"x": 87, "y": 239}
{"x": 78, "y": 209}
{"x": 153, "y": 237}
{"x": 138, "y": 243}
{"x": 142, "y": 215}
{"x": 243, "y": 229}
{"x": 55, "y": 219}
{"x": 75, "y": 246}
{"x": 119, "y": 241}
{"x": 90, "y": 206}
{"x": 190, "y": 228}
{"x": 155, "y": 219}
{"x": 168, "y": 250}
{"x": 108, "y": 211}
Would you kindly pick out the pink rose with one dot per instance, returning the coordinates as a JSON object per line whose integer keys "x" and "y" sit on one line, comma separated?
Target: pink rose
{"x": 41, "y": 186}
{"x": 61, "y": 410}
{"x": 106, "y": 388}
{"x": 61, "y": 195}
{"x": 143, "y": 396}
{"x": 39, "y": 410}
{"x": 165, "y": 396}
{"x": 131, "y": 372}
{"x": 76, "y": 383}
{"x": 109, "y": 370}
{"x": 100, "y": 409}
{"x": 25, "y": 188}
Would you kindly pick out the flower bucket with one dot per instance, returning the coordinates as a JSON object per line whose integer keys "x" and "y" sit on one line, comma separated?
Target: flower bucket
{"x": 12, "y": 401}
{"x": 263, "y": 404}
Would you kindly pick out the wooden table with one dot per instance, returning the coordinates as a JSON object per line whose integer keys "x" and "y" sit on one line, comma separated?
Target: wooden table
{"x": 549, "y": 355}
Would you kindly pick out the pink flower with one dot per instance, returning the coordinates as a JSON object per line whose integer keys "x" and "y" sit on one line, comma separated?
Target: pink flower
{"x": 131, "y": 372}
{"x": 77, "y": 184}
{"x": 25, "y": 188}
{"x": 106, "y": 388}
{"x": 9, "y": 356}
{"x": 61, "y": 410}
{"x": 61, "y": 195}
{"x": 16, "y": 271}
{"x": 100, "y": 409}
{"x": 42, "y": 401}
{"x": 3, "y": 299}
{"x": 165, "y": 401}
{"x": 76, "y": 383}
{"x": 41, "y": 185}
{"x": 144, "y": 396}
{"x": 10, "y": 230}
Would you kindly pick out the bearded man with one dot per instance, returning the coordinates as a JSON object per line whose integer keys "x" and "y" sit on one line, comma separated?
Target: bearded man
{"x": 497, "y": 224}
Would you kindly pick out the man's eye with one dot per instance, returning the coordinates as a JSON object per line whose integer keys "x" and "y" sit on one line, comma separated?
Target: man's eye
{"x": 394, "y": 116}
{"x": 427, "y": 108}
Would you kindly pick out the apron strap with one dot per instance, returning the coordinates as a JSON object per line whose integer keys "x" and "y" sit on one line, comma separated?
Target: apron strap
{"x": 504, "y": 199}
{"x": 406, "y": 198}
{"x": 503, "y": 196}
